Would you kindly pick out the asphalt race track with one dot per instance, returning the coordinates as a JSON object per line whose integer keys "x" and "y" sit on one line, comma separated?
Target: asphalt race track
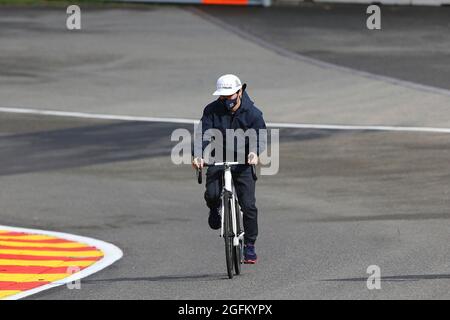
{"x": 343, "y": 199}
{"x": 413, "y": 43}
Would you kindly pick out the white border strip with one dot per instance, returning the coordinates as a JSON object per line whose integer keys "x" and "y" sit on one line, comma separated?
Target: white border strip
{"x": 358, "y": 127}
{"x": 94, "y": 115}
{"x": 111, "y": 254}
{"x": 192, "y": 121}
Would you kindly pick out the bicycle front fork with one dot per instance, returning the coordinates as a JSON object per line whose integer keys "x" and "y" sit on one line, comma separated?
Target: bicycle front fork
{"x": 237, "y": 234}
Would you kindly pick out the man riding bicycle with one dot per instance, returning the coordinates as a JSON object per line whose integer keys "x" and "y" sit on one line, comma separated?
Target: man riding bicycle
{"x": 233, "y": 110}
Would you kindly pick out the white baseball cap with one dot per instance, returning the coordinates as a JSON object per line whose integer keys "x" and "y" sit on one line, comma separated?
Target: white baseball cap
{"x": 227, "y": 85}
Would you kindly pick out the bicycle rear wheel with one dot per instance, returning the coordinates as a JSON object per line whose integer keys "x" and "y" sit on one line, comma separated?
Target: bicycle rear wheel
{"x": 228, "y": 235}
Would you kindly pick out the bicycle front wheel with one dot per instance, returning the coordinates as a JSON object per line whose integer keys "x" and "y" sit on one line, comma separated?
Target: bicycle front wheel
{"x": 238, "y": 250}
{"x": 228, "y": 235}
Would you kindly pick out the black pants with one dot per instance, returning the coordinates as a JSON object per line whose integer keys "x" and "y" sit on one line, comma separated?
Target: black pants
{"x": 245, "y": 190}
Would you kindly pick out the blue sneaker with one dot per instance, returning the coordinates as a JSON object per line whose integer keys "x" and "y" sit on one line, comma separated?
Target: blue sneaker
{"x": 214, "y": 220}
{"x": 250, "y": 256}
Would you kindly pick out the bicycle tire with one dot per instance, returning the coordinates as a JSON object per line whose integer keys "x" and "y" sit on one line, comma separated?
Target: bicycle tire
{"x": 228, "y": 235}
{"x": 237, "y": 250}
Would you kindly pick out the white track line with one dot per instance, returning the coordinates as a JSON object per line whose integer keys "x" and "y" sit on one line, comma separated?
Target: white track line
{"x": 193, "y": 121}
{"x": 110, "y": 251}
{"x": 358, "y": 127}
{"x": 94, "y": 115}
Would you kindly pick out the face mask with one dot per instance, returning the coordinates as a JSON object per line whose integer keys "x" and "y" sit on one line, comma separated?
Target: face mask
{"x": 230, "y": 103}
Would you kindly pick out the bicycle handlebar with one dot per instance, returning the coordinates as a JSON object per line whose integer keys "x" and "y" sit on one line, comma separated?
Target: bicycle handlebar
{"x": 255, "y": 176}
{"x": 217, "y": 164}
{"x": 199, "y": 176}
{"x": 199, "y": 170}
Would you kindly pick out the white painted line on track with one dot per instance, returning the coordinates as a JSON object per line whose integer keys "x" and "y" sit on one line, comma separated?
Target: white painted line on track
{"x": 358, "y": 127}
{"x": 111, "y": 254}
{"x": 193, "y": 121}
{"x": 94, "y": 115}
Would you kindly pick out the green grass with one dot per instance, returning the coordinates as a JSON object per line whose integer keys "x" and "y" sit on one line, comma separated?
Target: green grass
{"x": 46, "y": 2}
{"x": 59, "y": 3}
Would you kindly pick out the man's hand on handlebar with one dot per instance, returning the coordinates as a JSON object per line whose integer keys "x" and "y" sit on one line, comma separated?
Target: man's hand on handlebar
{"x": 252, "y": 158}
{"x": 198, "y": 163}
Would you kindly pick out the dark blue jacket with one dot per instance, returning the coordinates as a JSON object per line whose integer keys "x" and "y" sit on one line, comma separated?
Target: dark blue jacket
{"x": 216, "y": 115}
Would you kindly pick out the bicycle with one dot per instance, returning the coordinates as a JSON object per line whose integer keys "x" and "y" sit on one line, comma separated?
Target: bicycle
{"x": 232, "y": 218}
